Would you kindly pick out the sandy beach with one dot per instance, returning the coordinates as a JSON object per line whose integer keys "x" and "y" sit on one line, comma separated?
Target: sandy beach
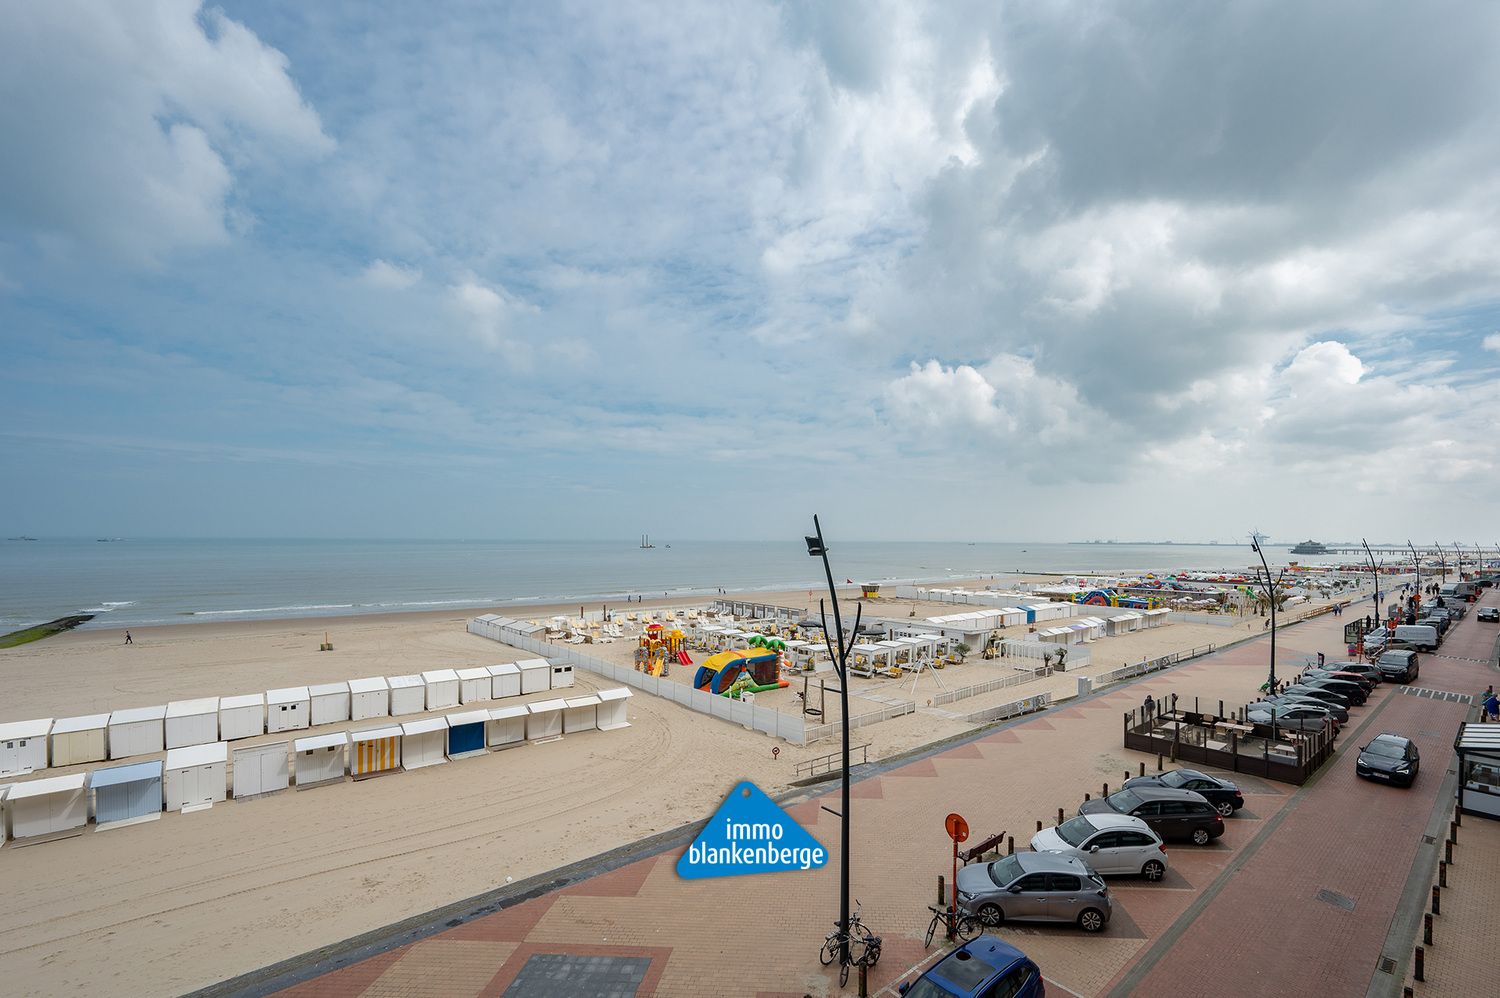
{"x": 192, "y": 899}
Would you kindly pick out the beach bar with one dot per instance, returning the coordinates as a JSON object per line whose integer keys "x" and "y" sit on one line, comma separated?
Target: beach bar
{"x": 369, "y": 698}
{"x": 330, "y": 703}
{"x": 126, "y": 795}
{"x": 536, "y": 675}
{"x": 581, "y": 714}
{"x": 192, "y": 722}
{"x": 423, "y": 742}
{"x": 466, "y": 733}
{"x": 505, "y": 680}
{"x": 612, "y": 708}
{"x": 442, "y": 688}
{"x": 507, "y": 726}
{"x": 137, "y": 731}
{"x": 79, "y": 739}
{"x": 374, "y": 751}
{"x": 408, "y": 695}
{"x": 545, "y": 721}
{"x": 288, "y": 709}
{"x": 242, "y": 716}
{"x": 261, "y": 769}
{"x": 55, "y": 808}
{"x": 196, "y": 776}
{"x": 473, "y": 685}
{"x": 320, "y": 759}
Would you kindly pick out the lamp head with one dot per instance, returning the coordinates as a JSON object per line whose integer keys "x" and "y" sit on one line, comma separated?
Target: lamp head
{"x": 815, "y": 547}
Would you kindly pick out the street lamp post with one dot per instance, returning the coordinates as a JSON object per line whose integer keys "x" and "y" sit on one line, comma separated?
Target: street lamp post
{"x": 1459, "y": 554}
{"x": 816, "y": 548}
{"x": 1375, "y": 572}
{"x": 1442, "y": 560}
{"x": 1416, "y": 567}
{"x": 1270, "y": 586}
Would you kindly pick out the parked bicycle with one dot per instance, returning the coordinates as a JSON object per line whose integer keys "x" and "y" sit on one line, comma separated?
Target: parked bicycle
{"x": 863, "y": 946}
{"x": 965, "y": 925}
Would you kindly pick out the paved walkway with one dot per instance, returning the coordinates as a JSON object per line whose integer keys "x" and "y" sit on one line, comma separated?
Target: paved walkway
{"x": 1241, "y": 916}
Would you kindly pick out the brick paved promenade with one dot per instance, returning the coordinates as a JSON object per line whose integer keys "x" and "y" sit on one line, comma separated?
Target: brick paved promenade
{"x": 1241, "y": 916}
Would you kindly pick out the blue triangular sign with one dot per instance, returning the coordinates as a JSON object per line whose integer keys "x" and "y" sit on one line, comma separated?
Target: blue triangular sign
{"x": 750, "y": 834}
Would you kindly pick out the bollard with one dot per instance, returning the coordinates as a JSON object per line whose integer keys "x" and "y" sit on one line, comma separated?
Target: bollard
{"x": 1059, "y": 816}
{"x": 942, "y": 891}
{"x": 864, "y": 984}
{"x": 1158, "y": 762}
{"x": 1453, "y": 832}
{"x": 1418, "y": 968}
{"x": 1010, "y": 845}
{"x": 1039, "y": 825}
{"x": 1442, "y": 873}
{"x": 1407, "y": 992}
{"x": 1448, "y": 853}
{"x": 1143, "y": 769}
{"x": 1437, "y": 907}
{"x": 1427, "y": 929}
{"x": 1086, "y": 797}
{"x": 1458, "y": 817}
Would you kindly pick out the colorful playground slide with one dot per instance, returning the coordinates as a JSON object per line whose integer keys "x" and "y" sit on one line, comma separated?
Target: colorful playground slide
{"x": 684, "y": 658}
{"x": 719, "y": 673}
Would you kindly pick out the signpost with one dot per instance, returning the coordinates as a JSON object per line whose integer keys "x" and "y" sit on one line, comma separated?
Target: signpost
{"x": 958, "y": 831}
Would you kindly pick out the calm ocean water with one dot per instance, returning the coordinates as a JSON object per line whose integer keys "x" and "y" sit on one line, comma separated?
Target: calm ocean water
{"x": 132, "y": 582}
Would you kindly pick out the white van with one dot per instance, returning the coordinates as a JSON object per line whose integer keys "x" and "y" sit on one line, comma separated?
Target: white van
{"x": 1423, "y": 637}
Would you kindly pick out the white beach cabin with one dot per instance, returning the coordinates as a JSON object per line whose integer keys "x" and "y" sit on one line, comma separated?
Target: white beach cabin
{"x": 466, "y": 733}
{"x": 126, "y": 795}
{"x": 242, "y": 716}
{"x": 261, "y": 769}
{"x": 79, "y": 739}
{"x": 408, "y": 695}
{"x": 196, "y": 777}
{"x": 320, "y": 759}
{"x": 507, "y": 726}
{"x": 137, "y": 731}
{"x": 474, "y": 685}
{"x": 562, "y": 675}
{"x": 612, "y": 708}
{"x": 536, "y": 675}
{"x": 369, "y": 698}
{"x": 505, "y": 680}
{"x": 374, "y": 751}
{"x": 330, "y": 703}
{"x": 23, "y": 746}
{"x": 442, "y": 688}
{"x": 288, "y": 709}
{"x": 581, "y": 714}
{"x": 424, "y": 742}
{"x": 192, "y": 722}
{"x": 50, "y": 809}
{"x": 545, "y": 721}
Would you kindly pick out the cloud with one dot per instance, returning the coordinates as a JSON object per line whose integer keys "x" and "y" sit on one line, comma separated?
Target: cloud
{"x": 490, "y": 312}
{"x": 137, "y": 121}
{"x": 1492, "y": 342}
{"x": 390, "y": 276}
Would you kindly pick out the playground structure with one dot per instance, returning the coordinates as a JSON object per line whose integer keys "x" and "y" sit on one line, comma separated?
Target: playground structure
{"x": 658, "y": 648}
{"x": 1115, "y": 598}
{"x": 733, "y": 673}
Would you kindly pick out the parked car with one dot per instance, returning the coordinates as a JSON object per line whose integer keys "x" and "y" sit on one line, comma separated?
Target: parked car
{"x": 1111, "y": 844}
{"x": 1035, "y": 887}
{"x": 1363, "y": 669}
{"x": 1316, "y": 693}
{"x": 1341, "y": 714}
{"x": 1295, "y": 718}
{"x": 1222, "y": 794}
{"x": 1391, "y": 758}
{"x": 986, "y": 967}
{"x": 1172, "y": 814}
{"x": 1365, "y": 682}
{"x": 1490, "y": 614}
{"x": 1348, "y": 689}
{"x": 1440, "y": 624}
{"x": 1399, "y": 666}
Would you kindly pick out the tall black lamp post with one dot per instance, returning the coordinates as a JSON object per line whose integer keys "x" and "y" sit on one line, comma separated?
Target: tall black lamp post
{"x": 1459, "y": 554}
{"x": 838, "y": 650}
{"x": 1375, "y": 571}
{"x": 1416, "y": 567}
{"x": 1271, "y": 585}
{"x": 1442, "y": 560}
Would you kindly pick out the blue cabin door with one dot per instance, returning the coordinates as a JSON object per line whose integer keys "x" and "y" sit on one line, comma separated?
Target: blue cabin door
{"x": 465, "y": 738}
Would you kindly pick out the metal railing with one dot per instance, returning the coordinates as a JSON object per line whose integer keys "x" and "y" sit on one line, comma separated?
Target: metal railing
{"x": 832, "y": 761}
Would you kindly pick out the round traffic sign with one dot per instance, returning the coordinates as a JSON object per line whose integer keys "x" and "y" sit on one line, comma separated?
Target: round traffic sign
{"x": 958, "y": 828}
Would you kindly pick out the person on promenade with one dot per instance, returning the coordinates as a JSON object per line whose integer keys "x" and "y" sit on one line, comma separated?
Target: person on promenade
{"x": 128, "y": 639}
{"x": 1148, "y": 707}
{"x": 1492, "y": 707}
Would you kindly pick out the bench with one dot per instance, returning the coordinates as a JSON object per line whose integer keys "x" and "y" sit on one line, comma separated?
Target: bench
{"x": 980, "y": 848}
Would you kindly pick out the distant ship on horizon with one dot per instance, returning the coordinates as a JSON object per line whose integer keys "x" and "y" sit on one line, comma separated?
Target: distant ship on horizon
{"x": 1309, "y": 547}
{"x": 646, "y": 542}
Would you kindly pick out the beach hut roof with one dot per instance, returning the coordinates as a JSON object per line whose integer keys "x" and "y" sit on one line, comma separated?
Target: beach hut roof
{"x": 404, "y": 682}
{"x": 512, "y": 710}
{"x": 591, "y": 700}
{"x": 532, "y": 663}
{"x": 90, "y": 722}
{"x": 320, "y": 741}
{"x": 327, "y": 689}
{"x": 192, "y": 708}
{"x": 371, "y": 734}
{"x": 373, "y": 684}
{"x": 468, "y": 717}
{"x": 134, "y": 773}
{"x": 41, "y": 788}
{"x": 290, "y": 694}
{"x": 543, "y": 706}
{"x": 244, "y": 700}
{"x": 133, "y": 714}
{"x": 197, "y": 755}
{"x": 475, "y": 673}
{"x": 504, "y": 669}
{"x": 620, "y": 693}
{"x": 425, "y": 725}
{"x": 488, "y": 616}
{"x": 440, "y": 676}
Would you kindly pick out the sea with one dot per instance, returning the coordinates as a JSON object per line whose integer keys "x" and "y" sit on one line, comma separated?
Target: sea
{"x": 134, "y": 582}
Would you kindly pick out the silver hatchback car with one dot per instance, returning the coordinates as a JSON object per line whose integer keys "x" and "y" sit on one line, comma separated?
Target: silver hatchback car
{"x": 1035, "y": 887}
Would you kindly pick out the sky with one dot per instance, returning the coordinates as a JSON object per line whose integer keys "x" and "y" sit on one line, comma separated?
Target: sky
{"x": 968, "y": 271}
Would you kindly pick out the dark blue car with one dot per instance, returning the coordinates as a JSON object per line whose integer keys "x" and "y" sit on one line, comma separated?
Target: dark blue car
{"x": 985, "y": 968}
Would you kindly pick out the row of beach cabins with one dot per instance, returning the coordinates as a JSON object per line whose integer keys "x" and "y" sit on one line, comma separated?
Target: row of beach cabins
{"x": 198, "y": 776}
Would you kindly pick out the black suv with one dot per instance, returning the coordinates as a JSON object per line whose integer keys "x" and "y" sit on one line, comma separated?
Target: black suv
{"x": 1172, "y": 814}
{"x": 1398, "y": 666}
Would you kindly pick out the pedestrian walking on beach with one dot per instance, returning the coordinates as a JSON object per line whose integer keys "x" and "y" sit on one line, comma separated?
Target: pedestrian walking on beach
{"x": 128, "y": 639}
